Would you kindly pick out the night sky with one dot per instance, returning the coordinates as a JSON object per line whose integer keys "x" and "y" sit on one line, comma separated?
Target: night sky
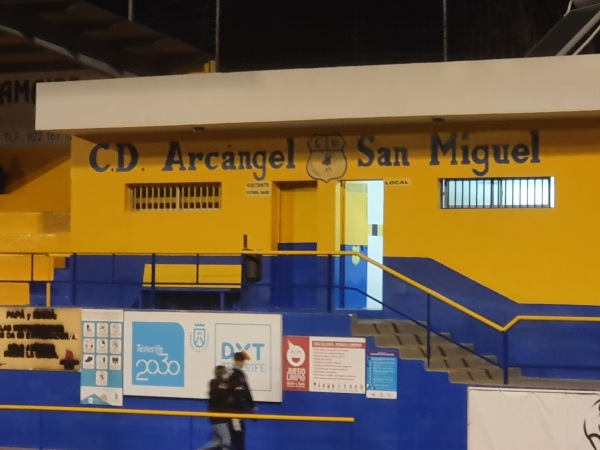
{"x": 268, "y": 34}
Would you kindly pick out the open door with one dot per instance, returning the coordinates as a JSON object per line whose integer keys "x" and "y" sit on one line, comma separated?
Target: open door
{"x": 362, "y": 231}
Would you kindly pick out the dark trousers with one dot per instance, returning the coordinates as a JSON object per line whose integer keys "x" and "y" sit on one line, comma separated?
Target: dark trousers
{"x": 238, "y": 435}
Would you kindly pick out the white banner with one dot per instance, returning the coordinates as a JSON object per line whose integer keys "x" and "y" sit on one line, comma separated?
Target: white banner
{"x": 518, "y": 419}
{"x": 173, "y": 354}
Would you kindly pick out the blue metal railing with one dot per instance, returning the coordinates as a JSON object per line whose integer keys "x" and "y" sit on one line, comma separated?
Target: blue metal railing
{"x": 333, "y": 282}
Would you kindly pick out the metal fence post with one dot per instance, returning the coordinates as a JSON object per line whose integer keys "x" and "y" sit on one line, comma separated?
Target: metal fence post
{"x": 505, "y": 356}
{"x": 428, "y": 330}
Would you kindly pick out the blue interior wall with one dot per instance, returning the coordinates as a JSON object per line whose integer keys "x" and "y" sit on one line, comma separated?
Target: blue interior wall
{"x": 293, "y": 278}
{"x": 355, "y": 278}
{"x": 541, "y": 348}
{"x": 313, "y": 283}
{"x": 430, "y": 412}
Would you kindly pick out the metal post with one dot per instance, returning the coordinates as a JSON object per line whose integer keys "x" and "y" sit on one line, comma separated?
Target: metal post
{"x": 428, "y": 330}
{"x": 153, "y": 283}
{"x": 217, "y": 35}
{"x": 343, "y": 281}
{"x": 48, "y": 294}
{"x": 505, "y": 356}
{"x": 445, "y": 28}
{"x": 74, "y": 281}
{"x": 330, "y": 283}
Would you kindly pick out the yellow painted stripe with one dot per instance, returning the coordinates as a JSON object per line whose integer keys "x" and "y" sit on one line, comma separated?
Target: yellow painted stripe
{"x": 152, "y": 412}
{"x": 518, "y": 319}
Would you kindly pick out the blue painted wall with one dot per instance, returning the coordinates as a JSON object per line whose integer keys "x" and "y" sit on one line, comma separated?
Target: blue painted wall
{"x": 430, "y": 413}
{"x": 310, "y": 283}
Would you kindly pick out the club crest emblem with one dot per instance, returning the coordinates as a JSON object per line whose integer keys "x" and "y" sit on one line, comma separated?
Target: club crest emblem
{"x": 327, "y": 160}
{"x": 199, "y": 337}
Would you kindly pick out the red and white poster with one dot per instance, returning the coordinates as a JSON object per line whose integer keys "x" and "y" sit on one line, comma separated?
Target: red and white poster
{"x": 324, "y": 364}
{"x": 296, "y": 367}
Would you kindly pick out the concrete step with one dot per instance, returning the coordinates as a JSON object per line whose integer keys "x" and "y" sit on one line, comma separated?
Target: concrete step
{"x": 373, "y": 327}
{"x": 397, "y": 340}
{"x": 458, "y": 363}
{"x": 462, "y": 364}
{"x": 436, "y": 351}
{"x": 554, "y": 383}
{"x": 364, "y": 328}
{"x": 492, "y": 375}
{"x": 408, "y": 326}
{"x": 477, "y": 375}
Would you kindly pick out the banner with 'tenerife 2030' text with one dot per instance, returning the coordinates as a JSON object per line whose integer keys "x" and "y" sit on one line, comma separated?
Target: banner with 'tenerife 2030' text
{"x": 173, "y": 354}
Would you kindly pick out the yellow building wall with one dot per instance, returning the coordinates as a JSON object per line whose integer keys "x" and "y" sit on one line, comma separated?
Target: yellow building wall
{"x": 530, "y": 255}
{"x": 356, "y": 230}
{"x": 295, "y": 224}
{"x": 35, "y": 207}
{"x": 38, "y": 179}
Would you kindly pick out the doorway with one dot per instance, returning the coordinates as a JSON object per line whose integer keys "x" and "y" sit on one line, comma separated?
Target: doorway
{"x": 294, "y": 277}
{"x": 362, "y": 231}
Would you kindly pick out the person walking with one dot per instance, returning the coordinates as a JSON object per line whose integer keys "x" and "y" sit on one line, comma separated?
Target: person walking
{"x": 242, "y": 399}
{"x": 220, "y": 399}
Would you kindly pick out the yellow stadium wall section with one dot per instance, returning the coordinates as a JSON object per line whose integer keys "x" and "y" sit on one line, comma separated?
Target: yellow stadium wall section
{"x": 35, "y": 199}
{"x": 36, "y": 179}
{"x": 531, "y": 255}
{"x": 35, "y": 205}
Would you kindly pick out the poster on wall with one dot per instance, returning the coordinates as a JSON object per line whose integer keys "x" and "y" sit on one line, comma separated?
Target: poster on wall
{"x": 173, "y": 354}
{"x": 296, "y": 367}
{"x": 40, "y": 338}
{"x": 324, "y": 364}
{"x": 382, "y": 374}
{"x": 523, "y": 419}
{"x": 102, "y": 365}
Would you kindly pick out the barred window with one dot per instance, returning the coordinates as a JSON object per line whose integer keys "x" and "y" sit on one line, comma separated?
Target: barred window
{"x": 177, "y": 196}
{"x": 469, "y": 193}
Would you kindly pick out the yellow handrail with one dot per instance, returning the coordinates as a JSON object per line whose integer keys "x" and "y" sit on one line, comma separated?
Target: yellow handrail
{"x": 152, "y": 412}
{"x": 411, "y": 282}
{"x": 404, "y": 278}
{"x": 518, "y": 319}
{"x": 431, "y": 292}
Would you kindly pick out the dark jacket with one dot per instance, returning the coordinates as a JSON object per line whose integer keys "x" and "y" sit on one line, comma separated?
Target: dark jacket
{"x": 242, "y": 396}
{"x": 220, "y": 399}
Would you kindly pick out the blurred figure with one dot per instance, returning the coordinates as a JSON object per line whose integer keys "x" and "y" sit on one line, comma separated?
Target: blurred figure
{"x": 242, "y": 399}
{"x": 220, "y": 399}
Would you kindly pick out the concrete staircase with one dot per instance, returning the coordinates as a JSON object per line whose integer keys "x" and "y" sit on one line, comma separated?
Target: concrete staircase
{"x": 460, "y": 361}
